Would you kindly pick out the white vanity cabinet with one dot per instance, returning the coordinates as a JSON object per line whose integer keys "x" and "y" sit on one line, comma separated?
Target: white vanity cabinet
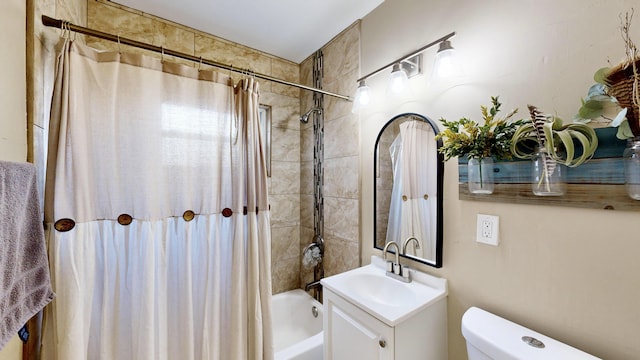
{"x": 354, "y": 334}
{"x": 360, "y": 325}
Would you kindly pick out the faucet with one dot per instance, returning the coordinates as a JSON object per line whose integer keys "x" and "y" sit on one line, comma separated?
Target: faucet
{"x": 407, "y": 241}
{"x": 313, "y": 285}
{"x": 395, "y": 267}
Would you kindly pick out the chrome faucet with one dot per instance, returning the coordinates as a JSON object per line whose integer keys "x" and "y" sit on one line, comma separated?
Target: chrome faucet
{"x": 394, "y": 269}
{"x": 407, "y": 241}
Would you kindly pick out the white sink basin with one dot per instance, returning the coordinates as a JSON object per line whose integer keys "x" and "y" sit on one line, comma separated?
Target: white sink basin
{"x": 389, "y": 300}
{"x": 380, "y": 289}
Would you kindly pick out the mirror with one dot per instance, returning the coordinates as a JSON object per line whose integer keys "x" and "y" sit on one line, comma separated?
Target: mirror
{"x": 409, "y": 172}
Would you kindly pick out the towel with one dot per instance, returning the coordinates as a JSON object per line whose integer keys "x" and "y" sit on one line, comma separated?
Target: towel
{"x": 25, "y": 285}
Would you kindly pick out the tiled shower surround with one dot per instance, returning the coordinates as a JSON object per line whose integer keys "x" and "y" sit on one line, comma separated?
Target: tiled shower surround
{"x": 290, "y": 185}
{"x": 341, "y": 157}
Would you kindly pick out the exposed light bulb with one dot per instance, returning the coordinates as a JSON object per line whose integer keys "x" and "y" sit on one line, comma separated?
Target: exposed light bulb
{"x": 446, "y": 62}
{"x": 397, "y": 80}
{"x": 362, "y": 98}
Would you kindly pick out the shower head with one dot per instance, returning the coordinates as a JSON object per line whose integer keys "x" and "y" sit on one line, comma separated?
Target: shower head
{"x": 305, "y": 118}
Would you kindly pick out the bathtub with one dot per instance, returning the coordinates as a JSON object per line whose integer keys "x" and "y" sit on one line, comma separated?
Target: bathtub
{"x": 297, "y": 334}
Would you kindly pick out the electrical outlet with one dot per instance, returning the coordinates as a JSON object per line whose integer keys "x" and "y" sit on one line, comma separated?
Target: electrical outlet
{"x": 487, "y": 229}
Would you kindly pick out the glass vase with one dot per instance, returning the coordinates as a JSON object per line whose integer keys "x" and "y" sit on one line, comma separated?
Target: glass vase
{"x": 631, "y": 159}
{"x": 480, "y": 172}
{"x": 548, "y": 176}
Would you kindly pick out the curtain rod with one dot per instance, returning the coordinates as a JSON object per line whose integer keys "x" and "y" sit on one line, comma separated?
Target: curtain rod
{"x": 65, "y": 25}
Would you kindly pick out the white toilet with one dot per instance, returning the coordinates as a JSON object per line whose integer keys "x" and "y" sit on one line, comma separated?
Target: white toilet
{"x": 490, "y": 337}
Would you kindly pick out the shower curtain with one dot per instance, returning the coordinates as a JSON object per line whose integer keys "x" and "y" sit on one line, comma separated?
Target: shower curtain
{"x": 413, "y": 196}
{"x": 157, "y": 212}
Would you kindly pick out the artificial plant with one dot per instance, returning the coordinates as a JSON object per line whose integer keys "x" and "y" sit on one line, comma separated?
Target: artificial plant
{"x": 492, "y": 138}
{"x": 557, "y": 139}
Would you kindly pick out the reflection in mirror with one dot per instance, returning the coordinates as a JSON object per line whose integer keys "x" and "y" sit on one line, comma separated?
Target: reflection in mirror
{"x": 408, "y": 188}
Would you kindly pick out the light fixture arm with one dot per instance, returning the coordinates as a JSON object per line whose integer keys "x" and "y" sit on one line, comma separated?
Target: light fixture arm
{"x": 435, "y": 42}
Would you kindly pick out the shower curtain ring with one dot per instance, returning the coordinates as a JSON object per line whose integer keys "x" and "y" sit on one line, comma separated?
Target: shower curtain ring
{"x": 161, "y": 53}
{"x": 200, "y": 64}
{"x": 230, "y": 70}
{"x": 68, "y": 30}
{"x": 119, "y": 49}
{"x": 63, "y": 29}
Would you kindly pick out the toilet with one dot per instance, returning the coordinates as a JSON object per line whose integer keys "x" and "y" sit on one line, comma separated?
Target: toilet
{"x": 490, "y": 337}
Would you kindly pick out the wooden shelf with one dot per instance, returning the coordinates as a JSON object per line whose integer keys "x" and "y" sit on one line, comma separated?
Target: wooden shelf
{"x": 598, "y": 183}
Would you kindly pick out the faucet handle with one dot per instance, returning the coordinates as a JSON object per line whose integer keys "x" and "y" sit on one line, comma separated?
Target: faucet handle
{"x": 390, "y": 266}
{"x": 406, "y": 273}
{"x": 397, "y": 268}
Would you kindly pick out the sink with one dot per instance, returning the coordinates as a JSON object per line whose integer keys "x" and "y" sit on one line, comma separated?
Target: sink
{"x": 389, "y": 300}
{"x": 380, "y": 288}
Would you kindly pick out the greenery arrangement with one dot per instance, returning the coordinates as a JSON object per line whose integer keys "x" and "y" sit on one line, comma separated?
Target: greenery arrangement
{"x": 598, "y": 103}
{"x": 490, "y": 139}
{"x": 595, "y": 104}
{"x": 618, "y": 86}
{"x": 558, "y": 139}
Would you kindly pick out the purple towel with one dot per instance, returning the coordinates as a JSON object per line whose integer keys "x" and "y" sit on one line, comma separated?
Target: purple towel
{"x": 25, "y": 286}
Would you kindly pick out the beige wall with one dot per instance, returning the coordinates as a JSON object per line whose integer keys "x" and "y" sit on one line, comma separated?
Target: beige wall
{"x": 13, "y": 88}
{"x": 569, "y": 273}
{"x": 13, "y": 121}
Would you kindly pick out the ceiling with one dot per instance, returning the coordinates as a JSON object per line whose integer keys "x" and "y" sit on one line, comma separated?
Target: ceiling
{"x": 290, "y": 29}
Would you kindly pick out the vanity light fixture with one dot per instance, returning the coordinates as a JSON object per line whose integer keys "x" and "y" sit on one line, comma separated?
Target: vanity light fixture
{"x": 407, "y": 67}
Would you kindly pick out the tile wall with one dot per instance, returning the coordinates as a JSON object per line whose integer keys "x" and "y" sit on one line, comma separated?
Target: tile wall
{"x": 341, "y": 157}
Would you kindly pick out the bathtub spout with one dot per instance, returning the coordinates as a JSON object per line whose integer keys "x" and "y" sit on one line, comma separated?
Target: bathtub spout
{"x": 312, "y": 285}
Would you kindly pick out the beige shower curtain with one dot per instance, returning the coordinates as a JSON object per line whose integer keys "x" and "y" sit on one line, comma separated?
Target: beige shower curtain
{"x": 157, "y": 212}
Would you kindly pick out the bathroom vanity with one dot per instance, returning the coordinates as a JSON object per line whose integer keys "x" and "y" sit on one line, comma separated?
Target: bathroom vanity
{"x": 369, "y": 315}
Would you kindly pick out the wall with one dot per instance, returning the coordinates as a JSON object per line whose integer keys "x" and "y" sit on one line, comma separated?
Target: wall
{"x": 13, "y": 122}
{"x": 13, "y": 137}
{"x": 341, "y": 157}
{"x": 569, "y": 273}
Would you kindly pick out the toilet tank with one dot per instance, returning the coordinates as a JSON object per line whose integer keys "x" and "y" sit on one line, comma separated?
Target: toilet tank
{"x": 489, "y": 336}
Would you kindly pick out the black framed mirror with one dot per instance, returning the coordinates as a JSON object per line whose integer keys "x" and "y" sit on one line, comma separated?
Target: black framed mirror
{"x": 408, "y": 183}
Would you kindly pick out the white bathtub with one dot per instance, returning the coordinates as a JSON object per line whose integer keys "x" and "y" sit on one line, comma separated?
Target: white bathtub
{"x": 297, "y": 334}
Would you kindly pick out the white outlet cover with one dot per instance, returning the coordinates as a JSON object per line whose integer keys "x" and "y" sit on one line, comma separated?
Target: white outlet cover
{"x": 487, "y": 229}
